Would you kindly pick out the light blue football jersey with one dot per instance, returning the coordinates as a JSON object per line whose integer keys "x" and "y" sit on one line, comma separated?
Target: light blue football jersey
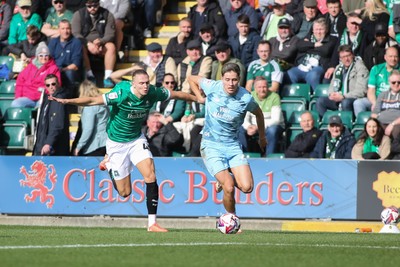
{"x": 224, "y": 113}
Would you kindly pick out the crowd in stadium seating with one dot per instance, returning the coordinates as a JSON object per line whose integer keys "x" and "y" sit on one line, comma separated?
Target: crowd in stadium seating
{"x": 350, "y": 46}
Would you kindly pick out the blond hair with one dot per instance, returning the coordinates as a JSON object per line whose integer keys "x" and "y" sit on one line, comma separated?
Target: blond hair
{"x": 378, "y": 7}
{"x": 87, "y": 88}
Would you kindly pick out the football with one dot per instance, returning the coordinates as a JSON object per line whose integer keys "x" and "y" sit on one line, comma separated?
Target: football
{"x": 390, "y": 215}
{"x": 228, "y": 223}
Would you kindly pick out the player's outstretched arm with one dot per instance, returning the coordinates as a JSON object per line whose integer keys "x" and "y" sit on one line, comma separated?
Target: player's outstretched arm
{"x": 183, "y": 96}
{"x": 194, "y": 82}
{"x": 261, "y": 127}
{"x": 81, "y": 101}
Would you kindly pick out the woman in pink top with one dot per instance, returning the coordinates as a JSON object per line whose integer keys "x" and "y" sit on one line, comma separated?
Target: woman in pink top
{"x": 30, "y": 81}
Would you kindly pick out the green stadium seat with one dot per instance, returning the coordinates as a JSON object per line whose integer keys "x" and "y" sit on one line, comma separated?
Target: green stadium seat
{"x": 21, "y": 116}
{"x": 13, "y": 136}
{"x": 296, "y": 91}
{"x": 346, "y": 116}
{"x": 276, "y": 156}
{"x": 7, "y": 89}
{"x": 9, "y": 61}
{"x": 4, "y": 105}
{"x": 290, "y": 106}
{"x": 321, "y": 90}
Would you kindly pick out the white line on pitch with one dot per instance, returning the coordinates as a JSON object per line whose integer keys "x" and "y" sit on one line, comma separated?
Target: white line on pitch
{"x": 193, "y": 244}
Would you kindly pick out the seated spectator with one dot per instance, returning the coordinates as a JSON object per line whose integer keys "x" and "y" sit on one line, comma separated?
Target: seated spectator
{"x": 265, "y": 67}
{"x": 269, "y": 27}
{"x": 244, "y": 43}
{"x": 176, "y": 47}
{"x": 52, "y": 132}
{"x": 67, "y": 52}
{"x": 387, "y": 107}
{"x": 335, "y": 143}
{"x": 194, "y": 64}
{"x": 21, "y": 21}
{"x": 349, "y": 82}
{"x": 352, "y": 34}
{"x": 208, "y": 40}
{"x": 270, "y": 104}
{"x": 92, "y": 140}
{"x": 56, "y": 14}
{"x": 32, "y": 79}
{"x": 5, "y": 19}
{"x": 208, "y": 12}
{"x": 378, "y": 81}
{"x": 94, "y": 26}
{"x": 223, "y": 55}
{"x": 26, "y": 49}
{"x": 317, "y": 56}
{"x": 323, "y": 5}
{"x": 155, "y": 64}
{"x": 303, "y": 21}
{"x": 374, "y": 12}
{"x": 119, "y": 9}
{"x": 293, "y": 6}
{"x": 374, "y": 54}
{"x": 173, "y": 109}
{"x": 161, "y": 135}
{"x": 372, "y": 142}
{"x": 284, "y": 45}
{"x": 335, "y": 17}
{"x": 238, "y": 8}
{"x": 304, "y": 143}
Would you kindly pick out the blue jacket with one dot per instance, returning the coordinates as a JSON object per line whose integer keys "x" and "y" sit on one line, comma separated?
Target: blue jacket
{"x": 343, "y": 150}
{"x": 71, "y": 53}
{"x": 248, "y": 51}
{"x": 231, "y": 17}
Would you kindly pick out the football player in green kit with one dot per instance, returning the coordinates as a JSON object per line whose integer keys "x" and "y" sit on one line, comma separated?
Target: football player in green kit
{"x": 126, "y": 145}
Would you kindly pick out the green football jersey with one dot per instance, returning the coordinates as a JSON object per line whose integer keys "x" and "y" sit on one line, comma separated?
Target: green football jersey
{"x": 128, "y": 112}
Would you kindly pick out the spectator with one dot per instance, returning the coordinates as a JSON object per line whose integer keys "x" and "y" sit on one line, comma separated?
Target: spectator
{"x": 378, "y": 81}
{"x": 21, "y": 21}
{"x": 67, "y": 52}
{"x": 161, "y": 135}
{"x": 244, "y": 42}
{"x": 284, "y": 45}
{"x": 26, "y": 49}
{"x": 95, "y": 27}
{"x": 352, "y": 5}
{"x": 353, "y": 35}
{"x": 303, "y": 21}
{"x": 172, "y": 110}
{"x": 270, "y": 104}
{"x": 155, "y": 64}
{"x": 32, "y": 79}
{"x": 223, "y": 55}
{"x": 92, "y": 141}
{"x": 317, "y": 56}
{"x": 194, "y": 64}
{"x": 119, "y": 9}
{"x": 387, "y": 108}
{"x": 323, "y": 5}
{"x": 5, "y": 19}
{"x": 208, "y": 40}
{"x": 56, "y": 14}
{"x": 374, "y": 54}
{"x": 303, "y": 144}
{"x": 372, "y": 142}
{"x": 208, "y": 12}
{"x": 269, "y": 27}
{"x": 238, "y": 8}
{"x": 335, "y": 143}
{"x": 52, "y": 132}
{"x": 75, "y": 5}
{"x": 349, "y": 82}
{"x": 373, "y": 13}
{"x": 335, "y": 18}
{"x": 150, "y": 8}
{"x": 265, "y": 67}
{"x": 176, "y": 47}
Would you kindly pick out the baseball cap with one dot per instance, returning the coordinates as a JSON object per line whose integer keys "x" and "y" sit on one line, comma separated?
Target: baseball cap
{"x": 154, "y": 47}
{"x": 381, "y": 29}
{"x": 335, "y": 119}
{"x": 284, "y": 22}
{"x": 193, "y": 44}
{"x": 222, "y": 46}
{"x": 310, "y": 3}
{"x": 22, "y": 3}
{"x": 206, "y": 27}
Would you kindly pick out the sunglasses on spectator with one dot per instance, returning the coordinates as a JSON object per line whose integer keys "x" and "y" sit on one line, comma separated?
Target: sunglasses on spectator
{"x": 25, "y": 7}
{"x": 169, "y": 82}
{"x": 92, "y": 6}
{"x": 43, "y": 55}
{"x": 58, "y": 2}
{"x": 395, "y": 82}
{"x": 50, "y": 84}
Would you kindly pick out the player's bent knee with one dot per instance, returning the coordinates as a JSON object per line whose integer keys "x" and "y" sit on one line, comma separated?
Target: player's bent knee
{"x": 247, "y": 189}
{"x": 124, "y": 192}
{"x": 228, "y": 189}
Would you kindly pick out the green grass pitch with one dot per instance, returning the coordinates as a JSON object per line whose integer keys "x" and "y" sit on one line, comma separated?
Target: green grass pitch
{"x": 72, "y": 246}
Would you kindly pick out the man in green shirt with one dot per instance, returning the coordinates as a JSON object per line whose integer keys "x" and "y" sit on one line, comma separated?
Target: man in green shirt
{"x": 57, "y": 13}
{"x": 126, "y": 145}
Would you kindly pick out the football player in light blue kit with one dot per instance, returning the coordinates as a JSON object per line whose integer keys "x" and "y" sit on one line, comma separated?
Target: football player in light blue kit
{"x": 226, "y": 106}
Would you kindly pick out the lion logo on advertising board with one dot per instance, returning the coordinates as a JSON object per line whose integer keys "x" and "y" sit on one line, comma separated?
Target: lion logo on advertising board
{"x": 36, "y": 178}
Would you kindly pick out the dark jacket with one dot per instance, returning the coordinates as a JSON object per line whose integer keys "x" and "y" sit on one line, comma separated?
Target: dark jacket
{"x": 212, "y": 15}
{"x": 343, "y": 150}
{"x": 374, "y": 54}
{"x": 177, "y": 51}
{"x": 53, "y": 127}
{"x": 341, "y": 20}
{"x": 298, "y": 20}
{"x": 231, "y": 17}
{"x": 6, "y": 13}
{"x": 303, "y": 144}
{"x": 248, "y": 51}
{"x": 163, "y": 143}
{"x": 25, "y": 47}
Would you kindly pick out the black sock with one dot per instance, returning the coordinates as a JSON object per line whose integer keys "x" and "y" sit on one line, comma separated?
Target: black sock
{"x": 152, "y": 197}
